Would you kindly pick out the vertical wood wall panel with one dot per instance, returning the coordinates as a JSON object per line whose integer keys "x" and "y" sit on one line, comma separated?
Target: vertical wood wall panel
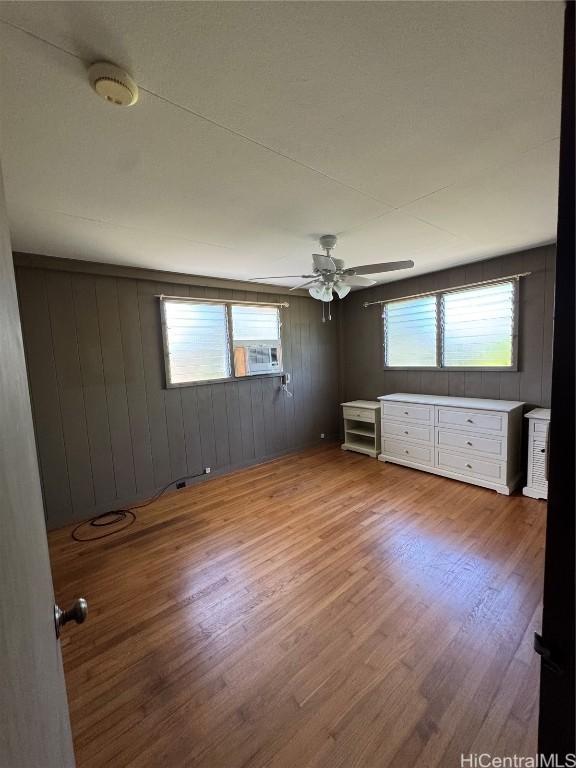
{"x": 173, "y": 405}
{"x": 206, "y": 425}
{"x": 48, "y": 426}
{"x": 95, "y": 401}
{"x": 365, "y": 377}
{"x": 110, "y": 433}
{"x": 132, "y": 354}
{"x": 62, "y": 318}
{"x": 115, "y": 384}
{"x": 151, "y": 335}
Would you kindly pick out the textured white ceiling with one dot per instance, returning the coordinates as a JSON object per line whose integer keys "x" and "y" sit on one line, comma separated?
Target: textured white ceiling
{"x": 414, "y": 130}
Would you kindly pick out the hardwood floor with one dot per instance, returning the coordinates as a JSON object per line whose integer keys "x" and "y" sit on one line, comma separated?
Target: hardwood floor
{"x": 319, "y": 611}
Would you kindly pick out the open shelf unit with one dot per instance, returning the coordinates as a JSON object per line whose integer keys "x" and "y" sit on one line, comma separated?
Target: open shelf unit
{"x": 362, "y": 427}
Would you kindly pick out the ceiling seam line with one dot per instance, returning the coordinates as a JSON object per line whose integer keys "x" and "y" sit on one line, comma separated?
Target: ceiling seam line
{"x": 471, "y": 183}
{"x": 107, "y": 223}
{"x": 435, "y": 226}
{"x": 257, "y": 143}
{"x": 209, "y": 120}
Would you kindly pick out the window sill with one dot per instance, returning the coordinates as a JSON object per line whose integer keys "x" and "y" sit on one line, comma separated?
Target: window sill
{"x": 229, "y": 380}
{"x": 452, "y": 369}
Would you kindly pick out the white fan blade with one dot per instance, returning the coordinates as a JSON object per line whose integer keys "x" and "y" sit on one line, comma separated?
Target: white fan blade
{"x": 385, "y": 266}
{"x": 358, "y": 280}
{"x": 303, "y": 285}
{"x": 323, "y": 262}
{"x": 278, "y": 277}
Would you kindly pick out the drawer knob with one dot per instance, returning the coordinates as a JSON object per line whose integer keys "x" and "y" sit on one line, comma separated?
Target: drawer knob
{"x": 405, "y": 431}
{"x": 470, "y": 421}
{"x": 469, "y": 466}
{"x": 542, "y": 450}
{"x": 405, "y": 413}
{"x": 468, "y": 442}
{"x": 406, "y": 451}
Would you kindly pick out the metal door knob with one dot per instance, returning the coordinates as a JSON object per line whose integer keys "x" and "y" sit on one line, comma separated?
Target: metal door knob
{"x": 77, "y": 613}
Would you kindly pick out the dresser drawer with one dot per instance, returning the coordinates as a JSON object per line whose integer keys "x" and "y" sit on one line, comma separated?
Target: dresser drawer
{"x": 489, "y": 421}
{"x": 471, "y": 465}
{"x": 492, "y": 446}
{"x": 408, "y": 430}
{"x": 360, "y": 414}
{"x": 421, "y": 454}
{"x": 407, "y": 411}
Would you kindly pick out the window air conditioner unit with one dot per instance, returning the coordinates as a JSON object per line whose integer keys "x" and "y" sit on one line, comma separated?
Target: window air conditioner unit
{"x": 263, "y": 358}
{"x": 257, "y": 357}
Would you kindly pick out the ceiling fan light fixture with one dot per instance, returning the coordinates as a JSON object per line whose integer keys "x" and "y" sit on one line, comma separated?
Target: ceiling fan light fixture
{"x": 321, "y": 291}
{"x": 341, "y": 289}
{"x": 327, "y": 292}
{"x": 316, "y": 291}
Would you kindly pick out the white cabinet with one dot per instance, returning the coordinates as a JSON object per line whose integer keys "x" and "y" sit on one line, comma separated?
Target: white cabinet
{"x": 362, "y": 427}
{"x": 470, "y": 439}
{"x": 538, "y": 427}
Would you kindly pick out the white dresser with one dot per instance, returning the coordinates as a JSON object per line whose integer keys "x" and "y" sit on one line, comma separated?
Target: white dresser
{"x": 470, "y": 439}
{"x": 538, "y": 427}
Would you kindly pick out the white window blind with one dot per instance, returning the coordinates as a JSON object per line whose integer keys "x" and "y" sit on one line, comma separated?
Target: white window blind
{"x": 196, "y": 341}
{"x": 478, "y": 326}
{"x": 255, "y": 323}
{"x": 410, "y": 333}
{"x": 464, "y": 328}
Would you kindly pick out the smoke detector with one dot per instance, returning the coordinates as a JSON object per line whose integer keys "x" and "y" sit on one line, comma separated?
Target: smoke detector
{"x": 113, "y": 84}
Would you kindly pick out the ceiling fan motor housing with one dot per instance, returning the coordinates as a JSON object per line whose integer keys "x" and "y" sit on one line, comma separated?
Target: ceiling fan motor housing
{"x": 328, "y": 242}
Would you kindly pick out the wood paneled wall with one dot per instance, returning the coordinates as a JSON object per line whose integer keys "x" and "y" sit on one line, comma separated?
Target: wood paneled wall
{"x": 108, "y": 431}
{"x": 361, "y": 338}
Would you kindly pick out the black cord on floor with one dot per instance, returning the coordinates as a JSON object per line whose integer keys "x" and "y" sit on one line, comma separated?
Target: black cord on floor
{"x": 115, "y": 516}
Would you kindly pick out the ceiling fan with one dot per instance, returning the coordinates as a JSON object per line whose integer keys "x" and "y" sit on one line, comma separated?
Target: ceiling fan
{"x": 329, "y": 275}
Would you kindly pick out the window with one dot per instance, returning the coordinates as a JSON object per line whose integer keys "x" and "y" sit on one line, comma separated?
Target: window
{"x": 256, "y": 335}
{"x": 410, "y": 328}
{"x": 196, "y": 341}
{"x": 465, "y": 328}
{"x": 478, "y": 326}
{"x": 206, "y": 341}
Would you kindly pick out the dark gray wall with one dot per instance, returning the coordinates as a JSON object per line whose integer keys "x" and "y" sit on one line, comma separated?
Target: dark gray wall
{"x": 107, "y": 430}
{"x": 361, "y": 337}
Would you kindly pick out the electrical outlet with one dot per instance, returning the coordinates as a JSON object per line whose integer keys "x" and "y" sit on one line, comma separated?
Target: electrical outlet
{"x": 207, "y": 470}
{"x": 181, "y": 485}
{"x": 322, "y": 435}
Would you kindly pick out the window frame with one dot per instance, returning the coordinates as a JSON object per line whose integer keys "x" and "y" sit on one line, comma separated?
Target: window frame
{"x": 512, "y": 368}
{"x": 168, "y": 384}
